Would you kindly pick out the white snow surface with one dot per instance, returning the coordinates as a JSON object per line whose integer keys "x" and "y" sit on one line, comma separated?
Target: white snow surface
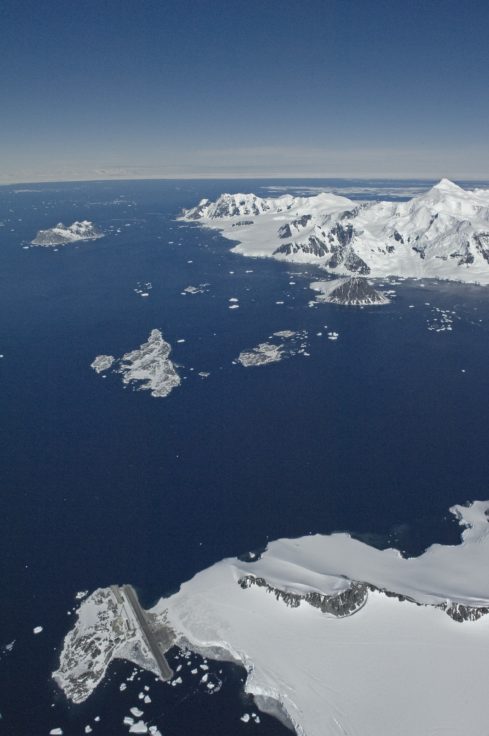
{"x": 392, "y": 667}
{"x": 442, "y": 233}
{"x": 62, "y": 235}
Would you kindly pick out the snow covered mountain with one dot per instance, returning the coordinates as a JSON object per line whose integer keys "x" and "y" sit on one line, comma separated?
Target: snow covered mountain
{"x": 61, "y": 235}
{"x": 443, "y": 233}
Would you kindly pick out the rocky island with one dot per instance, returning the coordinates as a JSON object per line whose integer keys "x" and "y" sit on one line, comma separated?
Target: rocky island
{"x": 62, "y": 235}
{"x": 148, "y": 367}
{"x": 355, "y": 291}
{"x": 282, "y": 344}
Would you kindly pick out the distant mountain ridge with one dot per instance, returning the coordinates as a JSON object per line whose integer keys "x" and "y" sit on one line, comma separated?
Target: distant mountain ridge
{"x": 442, "y": 233}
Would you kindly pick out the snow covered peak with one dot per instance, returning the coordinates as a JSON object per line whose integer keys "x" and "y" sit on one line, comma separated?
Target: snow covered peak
{"x": 250, "y": 205}
{"x": 442, "y": 233}
{"x": 448, "y": 186}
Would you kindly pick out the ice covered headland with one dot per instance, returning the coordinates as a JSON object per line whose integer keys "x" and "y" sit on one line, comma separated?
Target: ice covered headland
{"x": 148, "y": 367}
{"x": 62, "y": 235}
{"x": 343, "y": 638}
{"x": 442, "y": 233}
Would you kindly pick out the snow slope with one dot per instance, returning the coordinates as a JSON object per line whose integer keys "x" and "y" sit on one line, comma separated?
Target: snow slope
{"x": 392, "y": 667}
{"x": 443, "y": 233}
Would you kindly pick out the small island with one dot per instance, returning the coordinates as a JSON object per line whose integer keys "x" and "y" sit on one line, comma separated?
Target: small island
{"x": 62, "y": 235}
{"x": 283, "y": 344}
{"x": 148, "y": 368}
{"x": 354, "y": 291}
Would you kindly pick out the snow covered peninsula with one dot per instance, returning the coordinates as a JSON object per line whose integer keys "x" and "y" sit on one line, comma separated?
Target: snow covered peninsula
{"x": 442, "y": 233}
{"x": 337, "y": 635}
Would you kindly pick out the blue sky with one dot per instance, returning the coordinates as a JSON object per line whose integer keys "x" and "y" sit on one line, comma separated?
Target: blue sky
{"x": 207, "y": 88}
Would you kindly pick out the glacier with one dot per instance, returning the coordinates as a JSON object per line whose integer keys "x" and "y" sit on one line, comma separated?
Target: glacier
{"x": 442, "y": 233}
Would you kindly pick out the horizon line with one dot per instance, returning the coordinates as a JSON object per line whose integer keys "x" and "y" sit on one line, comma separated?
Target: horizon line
{"x": 241, "y": 177}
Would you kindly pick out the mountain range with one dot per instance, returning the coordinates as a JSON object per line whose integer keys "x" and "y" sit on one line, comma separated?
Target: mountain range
{"x": 442, "y": 233}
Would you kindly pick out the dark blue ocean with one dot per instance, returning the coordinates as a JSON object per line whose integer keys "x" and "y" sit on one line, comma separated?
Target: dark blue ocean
{"x": 377, "y": 433}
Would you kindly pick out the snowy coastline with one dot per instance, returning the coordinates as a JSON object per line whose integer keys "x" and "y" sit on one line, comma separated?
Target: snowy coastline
{"x": 442, "y": 233}
{"x": 334, "y": 631}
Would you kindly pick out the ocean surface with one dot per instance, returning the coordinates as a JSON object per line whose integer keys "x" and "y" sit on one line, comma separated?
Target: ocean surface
{"x": 377, "y": 433}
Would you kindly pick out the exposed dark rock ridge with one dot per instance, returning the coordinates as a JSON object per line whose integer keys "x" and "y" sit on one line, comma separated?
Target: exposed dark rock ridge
{"x": 352, "y": 599}
{"x": 355, "y": 291}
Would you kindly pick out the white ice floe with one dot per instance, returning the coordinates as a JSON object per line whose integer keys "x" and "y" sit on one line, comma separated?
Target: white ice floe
{"x": 37, "y": 629}
{"x": 62, "y": 235}
{"x": 148, "y": 367}
{"x": 440, "y": 233}
{"x": 200, "y": 289}
{"x": 138, "y": 727}
{"x": 441, "y": 320}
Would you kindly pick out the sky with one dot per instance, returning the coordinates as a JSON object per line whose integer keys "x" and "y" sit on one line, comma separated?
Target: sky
{"x": 223, "y": 88}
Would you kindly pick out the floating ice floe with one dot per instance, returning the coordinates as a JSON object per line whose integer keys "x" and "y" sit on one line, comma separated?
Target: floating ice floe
{"x": 441, "y": 320}
{"x": 200, "y": 289}
{"x": 143, "y": 288}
